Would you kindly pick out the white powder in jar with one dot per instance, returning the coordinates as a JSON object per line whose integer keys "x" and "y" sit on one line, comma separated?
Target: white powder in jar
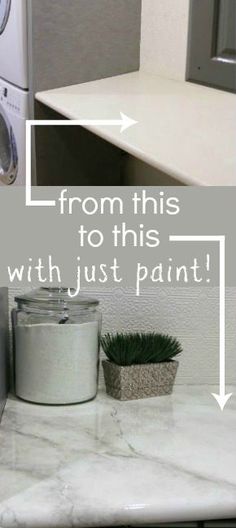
{"x": 57, "y": 364}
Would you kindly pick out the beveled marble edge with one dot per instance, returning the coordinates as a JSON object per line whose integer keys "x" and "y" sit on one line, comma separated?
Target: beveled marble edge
{"x": 110, "y": 463}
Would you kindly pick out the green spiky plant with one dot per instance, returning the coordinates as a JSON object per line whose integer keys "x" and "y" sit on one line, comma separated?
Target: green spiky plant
{"x": 139, "y": 349}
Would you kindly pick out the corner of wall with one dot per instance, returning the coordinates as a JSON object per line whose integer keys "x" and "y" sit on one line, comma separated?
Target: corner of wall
{"x": 164, "y": 38}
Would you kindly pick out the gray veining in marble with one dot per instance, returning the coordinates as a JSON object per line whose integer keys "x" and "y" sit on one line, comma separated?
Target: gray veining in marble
{"x": 110, "y": 463}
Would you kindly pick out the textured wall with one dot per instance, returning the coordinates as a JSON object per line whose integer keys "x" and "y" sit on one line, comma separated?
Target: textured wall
{"x": 164, "y": 37}
{"x": 3, "y": 346}
{"x": 190, "y": 314}
{"x": 80, "y": 40}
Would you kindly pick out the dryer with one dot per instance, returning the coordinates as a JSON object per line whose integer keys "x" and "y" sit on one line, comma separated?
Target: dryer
{"x": 14, "y": 42}
{"x": 14, "y": 111}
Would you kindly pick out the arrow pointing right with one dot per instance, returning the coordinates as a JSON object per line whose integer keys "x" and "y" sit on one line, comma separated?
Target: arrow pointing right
{"x": 124, "y": 122}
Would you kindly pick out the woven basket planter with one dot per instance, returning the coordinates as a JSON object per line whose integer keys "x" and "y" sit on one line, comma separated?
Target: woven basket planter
{"x": 139, "y": 381}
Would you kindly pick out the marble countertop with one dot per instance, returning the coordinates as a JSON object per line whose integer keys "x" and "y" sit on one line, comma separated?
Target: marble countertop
{"x": 109, "y": 463}
{"x": 186, "y": 130}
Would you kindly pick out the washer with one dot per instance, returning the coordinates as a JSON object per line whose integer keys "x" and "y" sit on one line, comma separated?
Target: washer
{"x": 14, "y": 110}
{"x": 13, "y": 42}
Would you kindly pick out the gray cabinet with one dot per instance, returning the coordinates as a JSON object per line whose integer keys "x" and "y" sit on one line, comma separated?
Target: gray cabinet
{"x": 3, "y": 347}
{"x": 212, "y": 43}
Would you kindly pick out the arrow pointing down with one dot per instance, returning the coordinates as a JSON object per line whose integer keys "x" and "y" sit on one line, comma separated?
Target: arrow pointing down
{"x": 222, "y": 397}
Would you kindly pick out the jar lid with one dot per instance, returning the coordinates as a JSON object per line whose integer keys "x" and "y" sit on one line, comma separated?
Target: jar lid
{"x": 55, "y": 298}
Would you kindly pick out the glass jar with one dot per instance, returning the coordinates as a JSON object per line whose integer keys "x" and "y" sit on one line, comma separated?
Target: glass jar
{"x": 56, "y": 347}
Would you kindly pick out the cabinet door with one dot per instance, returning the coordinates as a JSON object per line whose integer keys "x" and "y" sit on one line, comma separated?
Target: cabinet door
{"x": 3, "y": 347}
{"x": 212, "y": 43}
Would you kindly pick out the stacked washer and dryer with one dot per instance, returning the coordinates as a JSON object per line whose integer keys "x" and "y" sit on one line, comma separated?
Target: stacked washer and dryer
{"x": 14, "y": 90}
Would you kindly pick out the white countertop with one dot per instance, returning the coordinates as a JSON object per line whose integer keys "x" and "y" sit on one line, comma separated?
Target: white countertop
{"x": 185, "y": 130}
{"x": 108, "y": 463}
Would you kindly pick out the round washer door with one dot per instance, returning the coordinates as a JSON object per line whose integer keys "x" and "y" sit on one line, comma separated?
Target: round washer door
{"x": 8, "y": 152}
{"x": 5, "y": 6}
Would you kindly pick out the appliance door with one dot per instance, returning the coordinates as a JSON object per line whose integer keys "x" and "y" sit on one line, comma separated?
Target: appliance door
{"x": 5, "y": 6}
{"x": 8, "y": 151}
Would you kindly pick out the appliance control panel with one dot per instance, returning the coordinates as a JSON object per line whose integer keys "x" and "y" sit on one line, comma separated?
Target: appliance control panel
{"x": 10, "y": 100}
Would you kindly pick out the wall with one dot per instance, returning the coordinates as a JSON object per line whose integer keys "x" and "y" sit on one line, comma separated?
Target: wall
{"x": 190, "y": 314}
{"x": 82, "y": 40}
{"x": 75, "y": 42}
{"x": 164, "y": 37}
{"x": 3, "y": 346}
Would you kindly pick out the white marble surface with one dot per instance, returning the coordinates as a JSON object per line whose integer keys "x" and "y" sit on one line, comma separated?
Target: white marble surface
{"x": 185, "y": 130}
{"x": 108, "y": 463}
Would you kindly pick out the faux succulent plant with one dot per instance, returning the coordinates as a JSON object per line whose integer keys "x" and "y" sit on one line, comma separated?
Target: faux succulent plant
{"x": 140, "y": 349}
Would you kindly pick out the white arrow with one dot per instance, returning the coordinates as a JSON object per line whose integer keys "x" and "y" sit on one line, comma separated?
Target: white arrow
{"x": 222, "y": 397}
{"x": 124, "y": 122}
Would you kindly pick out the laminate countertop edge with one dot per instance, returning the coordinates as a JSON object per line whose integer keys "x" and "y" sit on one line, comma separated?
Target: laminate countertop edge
{"x": 183, "y": 129}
